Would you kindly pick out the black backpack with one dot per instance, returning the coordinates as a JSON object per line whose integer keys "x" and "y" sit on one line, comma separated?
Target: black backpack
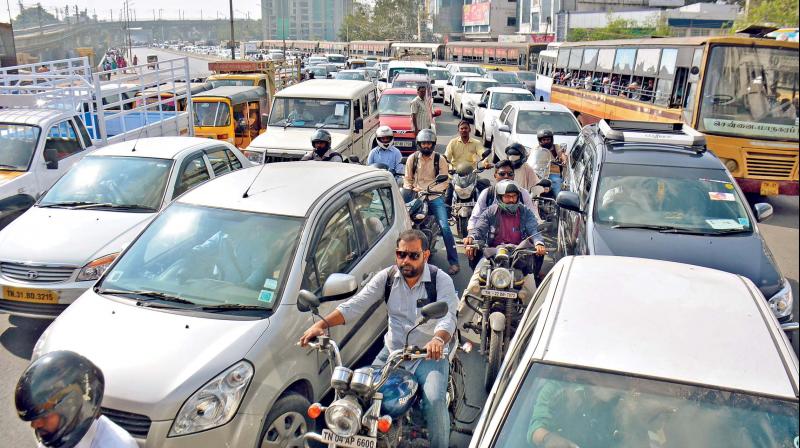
{"x": 490, "y": 196}
{"x": 430, "y": 287}
{"x": 436, "y": 157}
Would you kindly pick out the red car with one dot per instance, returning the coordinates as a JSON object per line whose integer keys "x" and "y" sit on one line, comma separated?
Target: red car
{"x": 394, "y": 110}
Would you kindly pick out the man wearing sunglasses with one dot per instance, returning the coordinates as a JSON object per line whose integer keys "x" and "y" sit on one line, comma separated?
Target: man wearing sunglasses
{"x": 406, "y": 287}
{"x": 503, "y": 170}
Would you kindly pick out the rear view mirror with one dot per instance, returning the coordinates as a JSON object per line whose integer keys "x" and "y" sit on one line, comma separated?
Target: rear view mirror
{"x": 307, "y": 301}
{"x": 482, "y": 104}
{"x": 569, "y": 200}
{"x": 338, "y": 287}
{"x": 435, "y": 310}
{"x": 763, "y": 211}
{"x": 504, "y": 128}
{"x": 403, "y": 160}
{"x": 442, "y": 178}
{"x": 486, "y": 153}
{"x": 51, "y": 158}
{"x": 437, "y": 112}
{"x": 359, "y": 124}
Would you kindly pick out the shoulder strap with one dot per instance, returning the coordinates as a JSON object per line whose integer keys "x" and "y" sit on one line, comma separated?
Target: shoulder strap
{"x": 415, "y": 164}
{"x": 490, "y": 196}
{"x": 436, "y": 157}
{"x": 387, "y": 289}
{"x": 430, "y": 287}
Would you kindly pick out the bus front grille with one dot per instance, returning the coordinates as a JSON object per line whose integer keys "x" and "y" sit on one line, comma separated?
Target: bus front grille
{"x": 764, "y": 165}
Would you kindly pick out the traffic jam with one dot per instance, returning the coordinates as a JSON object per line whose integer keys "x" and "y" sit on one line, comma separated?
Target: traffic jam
{"x": 290, "y": 253}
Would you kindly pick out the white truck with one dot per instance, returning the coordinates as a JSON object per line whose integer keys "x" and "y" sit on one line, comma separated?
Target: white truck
{"x": 54, "y": 113}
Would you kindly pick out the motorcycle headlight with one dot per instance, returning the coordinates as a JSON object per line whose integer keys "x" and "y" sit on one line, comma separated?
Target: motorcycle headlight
{"x": 95, "y": 268}
{"x": 501, "y": 278}
{"x": 781, "y": 303}
{"x": 343, "y": 417}
{"x": 216, "y": 403}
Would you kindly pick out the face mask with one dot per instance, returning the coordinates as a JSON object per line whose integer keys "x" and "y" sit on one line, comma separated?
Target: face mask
{"x": 320, "y": 151}
{"x": 508, "y": 208}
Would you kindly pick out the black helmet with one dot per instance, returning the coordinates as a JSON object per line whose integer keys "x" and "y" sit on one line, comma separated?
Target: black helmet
{"x": 321, "y": 135}
{"x": 544, "y": 133}
{"x": 64, "y": 383}
{"x": 506, "y": 186}
{"x": 517, "y": 154}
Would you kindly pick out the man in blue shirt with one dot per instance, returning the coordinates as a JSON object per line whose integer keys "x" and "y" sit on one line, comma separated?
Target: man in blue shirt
{"x": 386, "y": 153}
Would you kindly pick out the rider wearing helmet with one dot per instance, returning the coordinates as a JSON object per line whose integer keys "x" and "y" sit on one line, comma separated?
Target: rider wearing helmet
{"x": 385, "y": 152}
{"x": 549, "y": 159}
{"x": 524, "y": 175}
{"x": 60, "y": 394}
{"x": 422, "y": 167}
{"x": 321, "y": 142}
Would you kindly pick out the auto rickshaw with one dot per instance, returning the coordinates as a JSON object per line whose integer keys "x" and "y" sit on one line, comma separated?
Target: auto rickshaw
{"x": 152, "y": 61}
{"x": 154, "y": 95}
{"x": 236, "y": 114}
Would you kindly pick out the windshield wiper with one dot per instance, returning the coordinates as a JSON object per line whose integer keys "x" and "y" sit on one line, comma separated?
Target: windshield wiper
{"x": 729, "y": 231}
{"x": 116, "y": 206}
{"x": 641, "y": 226}
{"x": 147, "y": 296}
{"x": 287, "y": 124}
{"x": 231, "y": 306}
{"x": 68, "y": 204}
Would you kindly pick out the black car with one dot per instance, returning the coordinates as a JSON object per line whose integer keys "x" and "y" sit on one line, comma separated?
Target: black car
{"x": 652, "y": 190}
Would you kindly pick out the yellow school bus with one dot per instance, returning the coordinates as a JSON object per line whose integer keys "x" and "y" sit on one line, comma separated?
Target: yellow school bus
{"x": 236, "y": 114}
{"x": 742, "y": 92}
{"x": 506, "y": 56}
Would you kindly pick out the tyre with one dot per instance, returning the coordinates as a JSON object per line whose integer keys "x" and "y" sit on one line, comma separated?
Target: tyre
{"x": 461, "y": 113}
{"x": 453, "y": 108}
{"x": 477, "y": 132}
{"x": 461, "y": 226}
{"x": 487, "y": 143}
{"x": 286, "y": 423}
{"x": 494, "y": 359}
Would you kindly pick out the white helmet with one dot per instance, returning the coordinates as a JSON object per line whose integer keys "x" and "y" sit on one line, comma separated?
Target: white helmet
{"x": 383, "y": 132}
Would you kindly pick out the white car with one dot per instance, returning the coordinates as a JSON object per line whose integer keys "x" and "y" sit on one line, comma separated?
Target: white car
{"x": 491, "y": 103}
{"x": 467, "y": 96}
{"x": 439, "y": 77}
{"x": 675, "y": 356}
{"x": 452, "y": 85}
{"x": 455, "y": 67}
{"x": 521, "y": 120}
{"x": 58, "y": 248}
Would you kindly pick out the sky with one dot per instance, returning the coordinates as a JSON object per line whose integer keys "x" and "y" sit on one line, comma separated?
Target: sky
{"x": 144, "y": 8}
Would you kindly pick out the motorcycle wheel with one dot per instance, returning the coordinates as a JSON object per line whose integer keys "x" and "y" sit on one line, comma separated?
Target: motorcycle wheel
{"x": 495, "y": 358}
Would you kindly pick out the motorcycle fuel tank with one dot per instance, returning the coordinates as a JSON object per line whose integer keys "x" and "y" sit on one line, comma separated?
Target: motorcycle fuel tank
{"x": 399, "y": 392}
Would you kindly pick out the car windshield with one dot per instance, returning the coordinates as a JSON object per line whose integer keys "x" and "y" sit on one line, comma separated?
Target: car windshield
{"x": 561, "y": 123}
{"x": 685, "y": 198}
{"x": 215, "y": 113}
{"x": 500, "y": 99}
{"x": 209, "y": 256}
{"x": 336, "y": 58}
{"x": 478, "y": 86}
{"x": 471, "y": 69}
{"x": 353, "y": 76}
{"x": 17, "y": 145}
{"x": 124, "y": 183}
{"x": 392, "y": 104}
{"x": 230, "y": 82}
{"x": 318, "y": 71}
{"x": 526, "y": 76}
{"x": 408, "y": 84}
{"x": 438, "y": 75}
{"x": 505, "y": 77}
{"x": 751, "y": 92}
{"x": 594, "y": 409}
{"x": 310, "y": 113}
{"x": 394, "y": 71}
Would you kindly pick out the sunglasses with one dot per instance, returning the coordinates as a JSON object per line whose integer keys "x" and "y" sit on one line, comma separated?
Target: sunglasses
{"x": 505, "y": 174}
{"x": 402, "y": 254}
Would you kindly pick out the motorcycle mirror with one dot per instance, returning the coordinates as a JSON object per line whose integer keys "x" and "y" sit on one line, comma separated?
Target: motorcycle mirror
{"x": 435, "y": 310}
{"x": 403, "y": 160}
{"x": 307, "y": 301}
{"x": 486, "y": 153}
{"x": 442, "y": 178}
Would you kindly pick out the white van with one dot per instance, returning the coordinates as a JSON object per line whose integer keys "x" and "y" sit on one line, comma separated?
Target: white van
{"x": 397, "y": 67}
{"x": 346, "y": 109}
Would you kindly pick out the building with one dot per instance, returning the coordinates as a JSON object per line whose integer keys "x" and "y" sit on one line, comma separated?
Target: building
{"x": 488, "y": 19}
{"x": 303, "y": 19}
{"x": 8, "y": 52}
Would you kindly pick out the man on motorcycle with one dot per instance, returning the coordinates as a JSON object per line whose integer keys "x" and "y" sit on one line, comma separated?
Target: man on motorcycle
{"x": 507, "y": 221}
{"x": 321, "y": 142}
{"x": 503, "y": 170}
{"x": 406, "y": 287}
{"x": 549, "y": 160}
{"x": 463, "y": 148}
{"x": 524, "y": 175}
{"x": 422, "y": 167}
{"x": 386, "y": 153}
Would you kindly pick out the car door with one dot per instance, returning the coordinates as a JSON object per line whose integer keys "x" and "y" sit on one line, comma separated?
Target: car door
{"x": 584, "y": 188}
{"x": 568, "y": 220}
{"x": 371, "y": 123}
{"x": 500, "y": 139}
{"x": 480, "y": 112}
{"x": 192, "y": 171}
{"x": 62, "y": 138}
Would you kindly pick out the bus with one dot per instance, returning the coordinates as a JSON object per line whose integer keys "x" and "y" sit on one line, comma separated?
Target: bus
{"x": 418, "y": 51}
{"x": 364, "y": 48}
{"x": 544, "y": 73}
{"x": 510, "y": 56}
{"x": 741, "y": 92}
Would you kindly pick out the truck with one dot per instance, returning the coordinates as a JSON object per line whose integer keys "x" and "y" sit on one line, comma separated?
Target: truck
{"x": 54, "y": 113}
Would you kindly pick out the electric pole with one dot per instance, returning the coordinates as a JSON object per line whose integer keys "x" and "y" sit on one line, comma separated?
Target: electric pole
{"x": 233, "y": 42}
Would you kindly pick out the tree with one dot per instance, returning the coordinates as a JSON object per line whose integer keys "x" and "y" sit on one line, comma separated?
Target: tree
{"x": 781, "y": 13}
{"x": 386, "y": 20}
{"x": 619, "y": 29}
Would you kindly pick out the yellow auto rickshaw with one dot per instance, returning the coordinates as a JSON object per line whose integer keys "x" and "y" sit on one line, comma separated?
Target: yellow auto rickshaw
{"x": 236, "y": 114}
{"x": 165, "y": 95}
{"x": 152, "y": 61}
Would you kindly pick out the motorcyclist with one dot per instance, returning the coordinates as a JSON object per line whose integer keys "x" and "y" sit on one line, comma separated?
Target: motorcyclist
{"x": 321, "y": 142}
{"x": 422, "y": 167}
{"x": 524, "y": 175}
{"x": 409, "y": 284}
{"x": 549, "y": 160}
{"x": 507, "y": 221}
{"x": 60, "y": 395}
{"x": 386, "y": 153}
{"x": 503, "y": 170}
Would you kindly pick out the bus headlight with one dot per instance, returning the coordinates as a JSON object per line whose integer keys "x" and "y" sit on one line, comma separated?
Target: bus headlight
{"x": 781, "y": 302}
{"x": 731, "y": 165}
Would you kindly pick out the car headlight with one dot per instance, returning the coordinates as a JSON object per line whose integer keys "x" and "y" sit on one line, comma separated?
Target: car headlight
{"x": 95, "y": 268}
{"x": 216, "y": 403}
{"x": 343, "y": 417}
{"x": 781, "y": 303}
{"x": 731, "y": 165}
{"x": 501, "y": 278}
{"x": 254, "y": 156}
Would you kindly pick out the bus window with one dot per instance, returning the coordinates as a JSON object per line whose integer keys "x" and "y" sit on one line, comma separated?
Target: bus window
{"x": 563, "y": 58}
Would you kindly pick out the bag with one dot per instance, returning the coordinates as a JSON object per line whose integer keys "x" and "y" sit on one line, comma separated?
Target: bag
{"x": 436, "y": 157}
{"x": 430, "y": 287}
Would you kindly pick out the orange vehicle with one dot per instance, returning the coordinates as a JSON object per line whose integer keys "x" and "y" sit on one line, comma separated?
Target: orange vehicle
{"x": 741, "y": 92}
{"x": 235, "y": 114}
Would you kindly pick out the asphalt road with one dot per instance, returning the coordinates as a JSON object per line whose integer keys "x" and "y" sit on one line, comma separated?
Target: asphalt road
{"x": 18, "y": 335}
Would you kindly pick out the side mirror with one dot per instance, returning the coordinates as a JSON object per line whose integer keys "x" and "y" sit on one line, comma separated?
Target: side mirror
{"x": 307, "y": 301}
{"x": 763, "y": 211}
{"x": 404, "y": 160}
{"x": 482, "y": 104}
{"x": 51, "y": 158}
{"x": 437, "y": 112}
{"x": 569, "y": 200}
{"x": 359, "y": 124}
{"x": 460, "y": 90}
{"x": 442, "y": 178}
{"x": 381, "y": 79}
{"x": 486, "y": 153}
{"x": 449, "y": 83}
{"x": 435, "y": 310}
{"x": 504, "y": 128}
{"x": 338, "y": 287}
{"x": 353, "y": 159}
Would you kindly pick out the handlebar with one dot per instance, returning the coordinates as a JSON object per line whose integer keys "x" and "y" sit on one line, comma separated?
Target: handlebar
{"x": 326, "y": 344}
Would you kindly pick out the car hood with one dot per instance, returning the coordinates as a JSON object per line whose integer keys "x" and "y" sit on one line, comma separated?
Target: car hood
{"x": 744, "y": 254}
{"x": 7, "y": 176}
{"x": 397, "y": 122}
{"x": 152, "y": 360}
{"x": 298, "y": 139}
{"x": 530, "y": 141}
{"x": 70, "y": 237}
{"x": 466, "y": 97}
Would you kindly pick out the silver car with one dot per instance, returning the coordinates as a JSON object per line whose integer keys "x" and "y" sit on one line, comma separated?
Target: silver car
{"x": 195, "y": 324}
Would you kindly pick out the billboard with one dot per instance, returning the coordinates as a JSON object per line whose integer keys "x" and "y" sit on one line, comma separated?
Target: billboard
{"x": 476, "y": 14}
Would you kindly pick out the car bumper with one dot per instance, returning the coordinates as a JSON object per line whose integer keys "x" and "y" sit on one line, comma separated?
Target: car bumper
{"x": 785, "y": 187}
{"x": 407, "y": 146}
{"x": 243, "y": 430}
{"x": 67, "y": 293}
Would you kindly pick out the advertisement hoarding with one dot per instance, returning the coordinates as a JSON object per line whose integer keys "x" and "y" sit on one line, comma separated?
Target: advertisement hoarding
{"x": 476, "y": 14}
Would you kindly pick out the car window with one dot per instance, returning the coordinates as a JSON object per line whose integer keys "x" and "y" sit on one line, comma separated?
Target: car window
{"x": 365, "y": 107}
{"x": 335, "y": 250}
{"x": 87, "y": 140}
{"x": 356, "y": 109}
{"x": 373, "y": 213}
{"x": 504, "y": 114}
{"x": 219, "y": 161}
{"x": 511, "y": 119}
{"x": 586, "y": 180}
{"x": 63, "y": 139}
{"x": 373, "y": 102}
{"x": 193, "y": 172}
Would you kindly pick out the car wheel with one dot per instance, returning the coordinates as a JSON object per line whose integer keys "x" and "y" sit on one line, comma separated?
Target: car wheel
{"x": 477, "y": 132}
{"x": 286, "y": 423}
{"x": 453, "y": 109}
{"x": 487, "y": 142}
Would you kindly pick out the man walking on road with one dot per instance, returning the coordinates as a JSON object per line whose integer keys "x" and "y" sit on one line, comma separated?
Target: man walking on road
{"x": 420, "y": 112}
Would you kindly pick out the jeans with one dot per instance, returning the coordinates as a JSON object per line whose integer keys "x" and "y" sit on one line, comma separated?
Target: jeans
{"x": 555, "y": 183}
{"x": 433, "y": 377}
{"x": 439, "y": 210}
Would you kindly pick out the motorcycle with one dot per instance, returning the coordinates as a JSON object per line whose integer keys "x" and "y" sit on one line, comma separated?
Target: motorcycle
{"x": 466, "y": 189}
{"x": 421, "y": 218}
{"x": 377, "y": 407}
{"x": 498, "y": 303}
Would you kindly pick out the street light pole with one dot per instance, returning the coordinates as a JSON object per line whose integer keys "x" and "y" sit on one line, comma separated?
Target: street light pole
{"x": 233, "y": 42}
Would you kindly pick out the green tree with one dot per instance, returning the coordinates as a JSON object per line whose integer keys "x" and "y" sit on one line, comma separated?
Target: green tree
{"x": 618, "y": 28}
{"x": 356, "y": 26}
{"x": 782, "y": 13}
{"x": 386, "y": 20}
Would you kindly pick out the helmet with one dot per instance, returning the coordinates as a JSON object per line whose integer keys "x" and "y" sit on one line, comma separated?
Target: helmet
{"x": 426, "y": 135}
{"x": 504, "y": 187}
{"x": 398, "y": 391}
{"x": 517, "y": 153}
{"x": 544, "y": 133}
{"x": 321, "y": 135}
{"x": 64, "y": 383}
{"x": 383, "y": 132}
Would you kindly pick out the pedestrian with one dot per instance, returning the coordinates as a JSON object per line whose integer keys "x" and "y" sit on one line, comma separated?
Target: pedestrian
{"x": 420, "y": 111}
{"x": 135, "y": 60}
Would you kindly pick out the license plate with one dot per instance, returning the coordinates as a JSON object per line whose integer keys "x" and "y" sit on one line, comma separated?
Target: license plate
{"x": 465, "y": 204}
{"x": 30, "y": 295}
{"x": 770, "y": 188}
{"x": 403, "y": 143}
{"x": 500, "y": 294}
{"x": 350, "y": 442}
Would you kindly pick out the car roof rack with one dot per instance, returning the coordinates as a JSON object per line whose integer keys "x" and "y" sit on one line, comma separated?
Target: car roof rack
{"x": 674, "y": 134}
